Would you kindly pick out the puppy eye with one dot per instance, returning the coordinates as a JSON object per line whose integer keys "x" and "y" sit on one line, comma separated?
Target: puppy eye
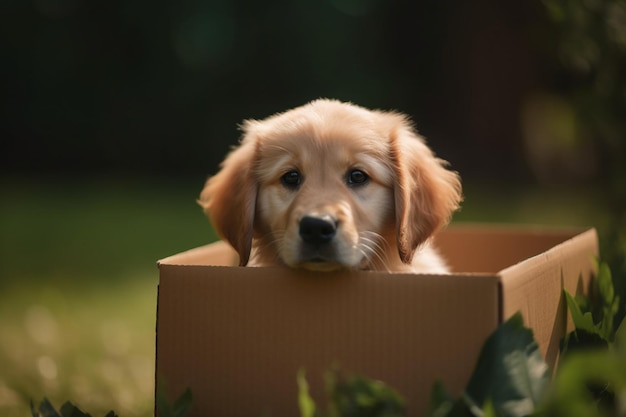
{"x": 357, "y": 177}
{"x": 291, "y": 179}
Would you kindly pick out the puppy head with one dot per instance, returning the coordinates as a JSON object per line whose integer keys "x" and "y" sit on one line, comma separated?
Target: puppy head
{"x": 325, "y": 186}
{"x": 321, "y": 185}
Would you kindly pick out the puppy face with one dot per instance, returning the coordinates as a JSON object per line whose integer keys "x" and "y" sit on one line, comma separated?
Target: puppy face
{"x": 330, "y": 185}
{"x": 324, "y": 197}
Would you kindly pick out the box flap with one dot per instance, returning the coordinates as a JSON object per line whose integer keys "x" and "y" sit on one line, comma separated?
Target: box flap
{"x": 479, "y": 248}
{"x": 216, "y": 254}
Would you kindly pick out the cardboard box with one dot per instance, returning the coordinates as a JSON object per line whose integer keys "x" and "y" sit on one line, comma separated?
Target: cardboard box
{"x": 238, "y": 336}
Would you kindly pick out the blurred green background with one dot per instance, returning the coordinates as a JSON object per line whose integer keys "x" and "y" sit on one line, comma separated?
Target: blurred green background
{"x": 114, "y": 113}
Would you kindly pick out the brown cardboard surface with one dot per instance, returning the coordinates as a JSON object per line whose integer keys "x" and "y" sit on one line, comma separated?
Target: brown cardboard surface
{"x": 535, "y": 287}
{"x": 492, "y": 248}
{"x": 238, "y": 336}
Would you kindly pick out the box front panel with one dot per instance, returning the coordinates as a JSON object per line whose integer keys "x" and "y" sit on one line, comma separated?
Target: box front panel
{"x": 238, "y": 336}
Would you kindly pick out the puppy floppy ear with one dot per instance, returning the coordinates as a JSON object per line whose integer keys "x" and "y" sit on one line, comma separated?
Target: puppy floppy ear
{"x": 229, "y": 198}
{"x": 426, "y": 193}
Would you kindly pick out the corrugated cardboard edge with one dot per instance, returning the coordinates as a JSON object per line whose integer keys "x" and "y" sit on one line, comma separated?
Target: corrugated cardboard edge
{"x": 217, "y": 253}
{"x": 530, "y": 288}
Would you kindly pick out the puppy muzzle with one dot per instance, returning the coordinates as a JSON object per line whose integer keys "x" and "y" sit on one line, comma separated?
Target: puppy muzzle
{"x": 318, "y": 249}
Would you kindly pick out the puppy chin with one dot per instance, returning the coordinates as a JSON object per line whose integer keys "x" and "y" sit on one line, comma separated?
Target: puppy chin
{"x": 317, "y": 264}
{"x": 321, "y": 266}
{"x": 321, "y": 260}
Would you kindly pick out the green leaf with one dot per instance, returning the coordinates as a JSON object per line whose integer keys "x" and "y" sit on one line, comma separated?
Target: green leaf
{"x": 605, "y": 282}
{"x": 489, "y": 410}
{"x": 587, "y": 384}
{"x": 440, "y": 404}
{"x": 360, "y": 397}
{"x": 182, "y": 405}
{"x": 163, "y": 406}
{"x": 511, "y": 372}
{"x": 70, "y": 410}
{"x": 305, "y": 402}
{"x": 589, "y": 333}
{"x": 581, "y": 340}
{"x": 609, "y": 301}
{"x": 67, "y": 410}
{"x": 470, "y": 408}
{"x": 46, "y": 409}
{"x": 620, "y": 341}
{"x": 582, "y": 321}
{"x": 180, "y": 408}
{"x": 33, "y": 412}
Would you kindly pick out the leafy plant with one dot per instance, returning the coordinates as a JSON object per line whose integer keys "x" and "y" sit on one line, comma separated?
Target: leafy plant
{"x": 180, "y": 407}
{"x": 46, "y": 409}
{"x": 591, "y": 378}
{"x": 593, "y": 317}
{"x": 352, "y": 396}
{"x": 510, "y": 377}
{"x": 590, "y": 382}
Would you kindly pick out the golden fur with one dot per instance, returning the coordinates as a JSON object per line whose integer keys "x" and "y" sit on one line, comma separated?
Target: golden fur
{"x": 333, "y": 185}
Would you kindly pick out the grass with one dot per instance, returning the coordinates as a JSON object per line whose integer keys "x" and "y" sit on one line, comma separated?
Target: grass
{"x": 78, "y": 288}
{"x": 78, "y": 279}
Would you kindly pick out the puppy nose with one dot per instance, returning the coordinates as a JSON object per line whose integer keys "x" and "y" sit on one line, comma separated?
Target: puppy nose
{"x": 317, "y": 230}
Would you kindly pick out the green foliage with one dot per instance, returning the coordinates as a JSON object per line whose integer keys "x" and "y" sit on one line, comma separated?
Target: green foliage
{"x": 591, "y": 378}
{"x": 591, "y": 49}
{"x": 352, "y": 396}
{"x": 591, "y": 382}
{"x": 305, "y": 402}
{"x": 356, "y": 396}
{"x": 511, "y": 373}
{"x": 180, "y": 407}
{"x": 510, "y": 377}
{"x": 46, "y": 409}
{"x": 594, "y": 318}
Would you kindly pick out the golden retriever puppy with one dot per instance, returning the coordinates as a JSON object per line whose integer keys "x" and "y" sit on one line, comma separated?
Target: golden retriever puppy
{"x": 332, "y": 185}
